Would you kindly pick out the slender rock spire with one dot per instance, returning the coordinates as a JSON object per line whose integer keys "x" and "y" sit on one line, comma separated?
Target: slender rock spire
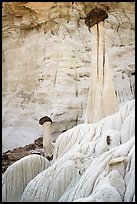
{"x": 102, "y": 100}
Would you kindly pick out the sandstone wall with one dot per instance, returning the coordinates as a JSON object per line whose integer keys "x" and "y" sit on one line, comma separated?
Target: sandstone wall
{"x": 46, "y": 58}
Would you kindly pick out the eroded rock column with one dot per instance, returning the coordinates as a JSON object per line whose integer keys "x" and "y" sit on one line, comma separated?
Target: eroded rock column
{"x": 102, "y": 100}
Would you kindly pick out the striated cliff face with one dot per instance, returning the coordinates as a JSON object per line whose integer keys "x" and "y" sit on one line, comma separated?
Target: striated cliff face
{"x": 47, "y": 57}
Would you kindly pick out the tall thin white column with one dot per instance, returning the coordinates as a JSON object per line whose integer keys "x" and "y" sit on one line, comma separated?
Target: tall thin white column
{"x": 102, "y": 100}
{"x": 47, "y": 142}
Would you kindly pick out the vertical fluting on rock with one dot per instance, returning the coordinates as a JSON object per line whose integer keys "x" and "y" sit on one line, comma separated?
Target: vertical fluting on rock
{"x": 102, "y": 100}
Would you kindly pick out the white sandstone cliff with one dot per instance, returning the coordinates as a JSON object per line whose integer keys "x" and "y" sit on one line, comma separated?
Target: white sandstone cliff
{"x": 46, "y": 63}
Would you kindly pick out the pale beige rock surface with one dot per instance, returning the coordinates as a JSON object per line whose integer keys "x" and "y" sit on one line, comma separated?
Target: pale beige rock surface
{"x": 85, "y": 167}
{"x": 46, "y": 62}
{"x": 20, "y": 174}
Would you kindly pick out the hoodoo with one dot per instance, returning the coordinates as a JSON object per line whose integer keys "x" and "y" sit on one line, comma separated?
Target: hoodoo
{"x": 101, "y": 86}
{"x": 47, "y": 141}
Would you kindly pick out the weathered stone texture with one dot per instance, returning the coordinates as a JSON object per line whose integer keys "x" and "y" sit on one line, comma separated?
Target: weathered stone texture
{"x": 46, "y": 62}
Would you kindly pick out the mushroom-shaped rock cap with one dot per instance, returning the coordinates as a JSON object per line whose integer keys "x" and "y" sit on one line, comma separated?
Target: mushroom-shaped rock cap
{"x": 95, "y": 16}
{"x": 44, "y": 119}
